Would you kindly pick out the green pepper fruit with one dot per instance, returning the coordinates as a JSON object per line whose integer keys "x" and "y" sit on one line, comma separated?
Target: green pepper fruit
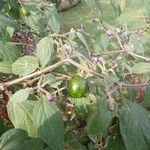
{"x": 77, "y": 86}
{"x": 23, "y": 11}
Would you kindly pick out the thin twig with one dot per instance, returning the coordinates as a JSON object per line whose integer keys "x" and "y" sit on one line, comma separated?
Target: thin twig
{"x": 109, "y": 53}
{"x": 138, "y": 56}
{"x": 85, "y": 68}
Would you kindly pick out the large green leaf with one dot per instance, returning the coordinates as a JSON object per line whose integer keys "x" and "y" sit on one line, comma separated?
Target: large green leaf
{"x": 9, "y": 22}
{"x": 33, "y": 144}
{"x": 5, "y": 67}
{"x": 13, "y": 139}
{"x": 44, "y": 50}
{"x": 53, "y": 19}
{"x": 147, "y": 4}
{"x": 141, "y": 67}
{"x": 110, "y": 80}
{"x": 92, "y": 3}
{"x": 9, "y": 52}
{"x": 135, "y": 126}
{"x": 82, "y": 39}
{"x": 49, "y": 124}
{"x": 20, "y": 107}
{"x": 72, "y": 143}
{"x": 20, "y": 95}
{"x": 147, "y": 97}
{"x": 84, "y": 106}
{"x": 16, "y": 139}
{"x": 136, "y": 9}
{"x": 25, "y": 65}
{"x": 136, "y": 45}
{"x": 99, "y": 122}
{"x": 115, "y": 141}
{"x": 36, "y": 21}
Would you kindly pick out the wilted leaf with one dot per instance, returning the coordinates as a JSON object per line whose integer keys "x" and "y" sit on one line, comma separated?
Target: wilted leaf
{"x": 135, "y": 127}
{"x": 25, "y": 65}
{"x": 141, "y": 67}
{"x": 49, "y": 124}
{"x": 44, "y": 50}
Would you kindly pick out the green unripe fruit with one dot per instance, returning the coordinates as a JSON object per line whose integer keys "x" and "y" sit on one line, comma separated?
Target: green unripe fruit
{"x": 23, "y": 11}
{"x": 77, "y": 86}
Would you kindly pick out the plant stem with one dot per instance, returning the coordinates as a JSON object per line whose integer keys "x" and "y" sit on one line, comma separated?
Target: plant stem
{"x": 85, "y": 68}
{"x": 35, "y": 74}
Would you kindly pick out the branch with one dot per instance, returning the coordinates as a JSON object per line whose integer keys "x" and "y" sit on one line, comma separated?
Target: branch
{"x": 35, "y": 74}
{"x": 85, "y": 68}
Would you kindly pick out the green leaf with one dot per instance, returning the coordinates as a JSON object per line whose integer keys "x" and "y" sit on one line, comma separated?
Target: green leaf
{"x": 25, "y": 65}
{"x": 5, "y": 67}
{"x": 9, "y": 52}
{"x": 147, "y": 97}
{"x": 49, "y": 124}
{"x": 82, "y": 39}
{"x": 115, "y": 141}
{"x": 72, "y": 143}
{"x": 84, "y": 106}
{"x": 99, "y": 122}
{"x": 13, "y": 139}
{"x": 147, "y": 4}
{"x": 33, "y": 144}
{"x": 36, "y": 21}
{"x": 100, "y": 119}
{"x": 4, "y": 127}
{"x": 57, "y": 2}
{"x": 22, "y": 109}
{"x": 9, "y": 22}
{"x": 135, "y": 126}
{"x": 137, "y": 9}
{"x": 136, "y": 45}
{"x": 104, "y": 40}
{"x": 141, "y": 67}
{"x": 16, "y": 139}
{"x": 110, "y": 80}
{"x": 53, "y": 19}
{"x": 20, "y": 95}
{"x": 44, "y": 50}
{"x": 91, "y": 3}
{"x": 1, "y": 5}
